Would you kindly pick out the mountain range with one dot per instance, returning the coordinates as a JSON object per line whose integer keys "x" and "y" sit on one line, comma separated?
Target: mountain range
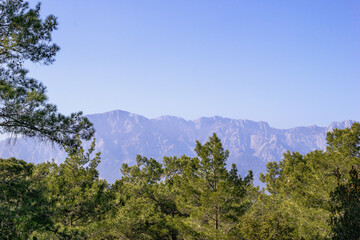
{"x": 121, "y": 135}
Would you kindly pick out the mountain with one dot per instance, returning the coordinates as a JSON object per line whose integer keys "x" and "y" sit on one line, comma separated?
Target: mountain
{"x": 121, "y": 135}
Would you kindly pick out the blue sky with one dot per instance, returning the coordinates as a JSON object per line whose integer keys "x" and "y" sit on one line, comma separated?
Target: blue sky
{"x": 289, "y": 63}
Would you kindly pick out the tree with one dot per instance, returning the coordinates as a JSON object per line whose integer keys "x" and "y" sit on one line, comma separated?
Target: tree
{"x": 24, "y": 109}
{"x": 23, "y": 204}
{"x": 212, "y": 196}
{"x": 302, "y": 185}
{"x": 344, "y": 148}
{"x": 145, "y": 208}
{"x": 345, "y": 219}
{"x": 50, "y": 201}
{"x": 186, "y": 198}
{"x": 265, "y": 220}
{"x": 79, "y": 200}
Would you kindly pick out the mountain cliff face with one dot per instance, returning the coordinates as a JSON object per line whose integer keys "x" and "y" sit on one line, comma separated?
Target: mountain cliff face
{"x": 121, "y": 135}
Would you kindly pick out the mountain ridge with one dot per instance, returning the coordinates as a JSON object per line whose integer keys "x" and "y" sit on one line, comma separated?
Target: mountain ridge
{"x": 121, "y": 135}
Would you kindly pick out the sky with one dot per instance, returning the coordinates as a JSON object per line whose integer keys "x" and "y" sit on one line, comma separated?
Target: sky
{"x": 289, "y": 63}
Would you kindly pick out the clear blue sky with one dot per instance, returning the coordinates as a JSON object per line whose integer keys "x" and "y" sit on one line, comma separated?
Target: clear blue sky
{"x": 290, "y": 63}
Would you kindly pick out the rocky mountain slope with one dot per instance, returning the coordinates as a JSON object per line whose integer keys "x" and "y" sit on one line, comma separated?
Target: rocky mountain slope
{"x": 122, "y": 135}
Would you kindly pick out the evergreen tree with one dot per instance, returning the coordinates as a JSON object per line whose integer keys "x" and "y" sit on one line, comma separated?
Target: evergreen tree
{"x": 345, "y": 219}
{"x": 301, "y": 184}
{"x": 213, "y": 197}
{"x": 265, "y": 220}
{"x": 187, "y": 198}
{"x": 79, "y": 199}
{"x": 145, "y": 209}
{"x": 24, "y": 109}
{"x": 23, "y": 204}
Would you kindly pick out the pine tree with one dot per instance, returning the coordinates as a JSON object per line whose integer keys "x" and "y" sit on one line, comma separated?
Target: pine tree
{"x": 23, "y": 203}
{"x": 302, "y": 184}
{"x": 79, "y": 199}
{"x": 145, "y": 209}
{"x": 24, "y": 109}
{"x": 345, "y": 219}
{"x": 213, "y": 197}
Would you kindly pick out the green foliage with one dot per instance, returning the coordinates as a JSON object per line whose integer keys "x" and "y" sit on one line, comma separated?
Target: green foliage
{"x": 344, "y": 148}
{"x": 266, "y": 221}
{"x": 78, "y": 197}
{"x": 301, "y": 185}
{"x": 50, "y": 201}
{"x": 24, "y": 35}
{"x": 345, "y": 221}
{"x": 23, "y": 204}
{"x": 186, "y": 198}
{"x": 24, "y": 109}
{"x": 145, "y": 209}
{"x": 301, "y": 188}
{"x": 213, "y": 197}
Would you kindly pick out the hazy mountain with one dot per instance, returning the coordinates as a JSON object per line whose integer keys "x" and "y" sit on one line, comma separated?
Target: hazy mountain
{"x": 122, "y": 135}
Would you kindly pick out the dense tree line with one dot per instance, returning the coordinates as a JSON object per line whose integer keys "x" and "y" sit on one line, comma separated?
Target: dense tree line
{"x": 312, "y": 196}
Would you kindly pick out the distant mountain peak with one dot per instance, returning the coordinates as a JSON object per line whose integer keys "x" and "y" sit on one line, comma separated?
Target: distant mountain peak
{"x": 121, "y": 135}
